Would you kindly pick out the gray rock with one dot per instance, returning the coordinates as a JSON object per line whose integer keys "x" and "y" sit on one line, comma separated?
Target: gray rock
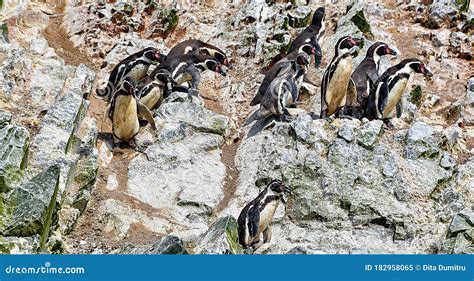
{"x": 470, "y": 92}
{"x": 5, "y": 118}
{"x": 221, "y": 238}
{"x": 29, "y": 208}
{"x": 201, "y": 120}
{"x": 14, "y": 70}
{"x": 14, "y": 145}
{"x": 369, "y": 132}
{"x": 348, "y": 129}
{"x": 439, "y": 14}
{"x": 19, "y": 245}
{"x": 421, "y": 141}
{"x": 169, "y": 245}
{"x": 300, "y": 17}
{"x": 442, "y": 38}
{"x": 447, "y": 161}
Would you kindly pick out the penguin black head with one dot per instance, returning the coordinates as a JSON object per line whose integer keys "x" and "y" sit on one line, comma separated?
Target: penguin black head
{"x": 307, "y": 48}
{"x": 154, "y": 55}
{"x": 417, "y": 66}
{"x": 222, "y": 58}
{"x": 346, "y": 43}
{"x": 128, "y": 86}
{"x": 278, "y": 187}
{"x": 302, "y": 59}
{"x": 381, "y": 49}
{"x": 215, "y": 66}
{"x": 318, "y": 17}
{"x": 165, "y": 77}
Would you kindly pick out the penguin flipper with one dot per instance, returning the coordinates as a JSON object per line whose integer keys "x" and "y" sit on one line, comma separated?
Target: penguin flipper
{"x": 269, "y": 77}
{"x": 318, "y": 55}
{"x": 255, "y": 116}
{"x": 267, "y": 234}
{"x": 146, "y": 114}
{"x": 399, "y": 108}
{"x": 253, "y": 220}
{"x": 195, "y": 76}
{"x": 351, "y": 98}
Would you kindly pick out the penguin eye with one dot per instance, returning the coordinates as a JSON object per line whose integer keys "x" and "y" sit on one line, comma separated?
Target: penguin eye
{"x": 219, "y": 56}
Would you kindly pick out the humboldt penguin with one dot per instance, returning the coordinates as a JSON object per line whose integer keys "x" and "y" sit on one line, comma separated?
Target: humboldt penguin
{"x": 336, "y": 77}
{"x": 124, "y": 110}
{"x": 280, "y": 68}
{"x": 187, "y": 68}
{"x": 388, "y": 89}
{"x": 256, "y": 217}
{"x": 358, "y": 90}
{"x": 152, "y": 89}
{"x": 312, "y": 34}
{"x": 197, "y": 47}
{"x": 134, "y": 66}
{"x": 282, "y": 92}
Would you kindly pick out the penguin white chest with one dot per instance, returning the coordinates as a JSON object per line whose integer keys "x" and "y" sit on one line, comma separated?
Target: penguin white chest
{"x": 153, "y": 96}
{"x": 138, "y": 72}
{"x": 394, "y": 97}
{"x": 125, "y": 121}
{"x": 266, "y": 215}
{"x": 337, "y": 87}
{"x": 183, "y": 78}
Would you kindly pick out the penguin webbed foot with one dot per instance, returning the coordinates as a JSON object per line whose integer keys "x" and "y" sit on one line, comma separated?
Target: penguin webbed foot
{"x": 193, "y": 92}
{"x": 388, "y": 123}
{"x": 314, "y": 115}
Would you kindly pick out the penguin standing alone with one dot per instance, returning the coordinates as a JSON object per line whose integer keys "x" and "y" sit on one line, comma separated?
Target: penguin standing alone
{"x": 256, "y": 217}
{"x": 134, "y": 66}
{"x": 312, "y": 34}
{"x": 387, "y": 91}
{"x": 124, "y": 110}
{"x": 280, "y": 68}
{"x": 336, "y": 77}
{"x": 282, "y": 92}
{"x": 358, "y": 90}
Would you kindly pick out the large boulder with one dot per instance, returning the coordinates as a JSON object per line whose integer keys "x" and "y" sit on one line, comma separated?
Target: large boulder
{"x": 169, "y": 245}
{"x": 221, "y": 238}
{"x": 29, "y": 208}
{"x": 14, "y": 144}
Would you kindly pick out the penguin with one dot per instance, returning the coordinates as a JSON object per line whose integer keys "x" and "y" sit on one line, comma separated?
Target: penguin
{"x": 123, "y": 111}
{"x": 312, "y": 34}
{"x": 280, "y": 68}
{"x": 282, "y": 92}
{"x": 358, "y": 90}
{"x": 336, "y": 77}
{"x": 387, "y": 90}
{"x": 187, "y": 68}
{"x": 197, "y": 47}
{"x": 134, "y": 66}
{"x": 256, "y": 217}
{"x": 152, "y": 89}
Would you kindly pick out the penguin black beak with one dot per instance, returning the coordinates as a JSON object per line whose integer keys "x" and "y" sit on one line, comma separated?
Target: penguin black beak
{"x": 392, "y": 52}
{"x": 358, "y": 41}
{"x": 288, "y": 190}
{"x": 222, "y": 71}
{"x": 427, "y": 73}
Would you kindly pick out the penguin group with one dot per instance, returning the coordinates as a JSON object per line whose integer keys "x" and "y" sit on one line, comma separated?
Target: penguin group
{"x": 133, "y": 92}
{"x": 345, "y": 93}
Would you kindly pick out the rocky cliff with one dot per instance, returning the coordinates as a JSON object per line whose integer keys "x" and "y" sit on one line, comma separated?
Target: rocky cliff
{"x": 358, "y": 186}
